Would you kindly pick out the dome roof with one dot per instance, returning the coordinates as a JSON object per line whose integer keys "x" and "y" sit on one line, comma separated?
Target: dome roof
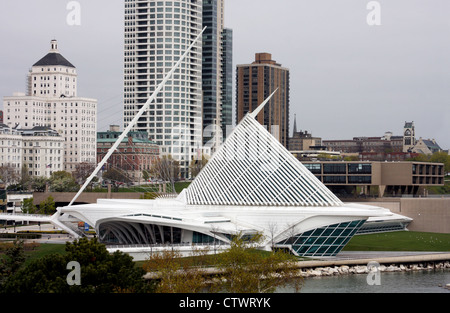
{"x": 53, "y": 58}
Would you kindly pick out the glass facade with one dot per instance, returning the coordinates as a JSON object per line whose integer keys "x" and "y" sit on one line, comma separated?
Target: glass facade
{"x": 324, "y": 241}
{"x": 227, "y": 81}
{"x": 378, "y": 227}
{"x": 334, "y": 168}
{"x": 360, "y": 168}
{"x": 315, "y": 168}
{"x": 138, "y": 233}
{"x": 211, "y": 60}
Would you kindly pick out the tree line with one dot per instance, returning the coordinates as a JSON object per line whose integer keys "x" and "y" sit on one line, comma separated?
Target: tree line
{"x": 240, "y": 269}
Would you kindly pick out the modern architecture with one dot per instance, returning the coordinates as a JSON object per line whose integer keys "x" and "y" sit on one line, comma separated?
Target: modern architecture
{"x": 227, "y": 82}
{"x": 217, "y": 74}
{"x": 251, "y": 185}
{"x": 388, "y": 178}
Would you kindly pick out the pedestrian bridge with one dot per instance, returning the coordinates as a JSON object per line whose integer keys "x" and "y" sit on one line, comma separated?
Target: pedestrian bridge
{"x": 20, "y": 217}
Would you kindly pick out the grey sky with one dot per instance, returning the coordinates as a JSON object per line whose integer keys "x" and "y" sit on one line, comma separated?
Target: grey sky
{"x": 347, "y": 78}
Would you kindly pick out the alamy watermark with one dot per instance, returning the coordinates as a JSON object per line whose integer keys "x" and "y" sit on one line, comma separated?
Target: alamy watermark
{"x": 74, "y": 277}
{"x": 374, "y": 276}
{"x": 74, "y": 16}
{"x": 374, "y": 16}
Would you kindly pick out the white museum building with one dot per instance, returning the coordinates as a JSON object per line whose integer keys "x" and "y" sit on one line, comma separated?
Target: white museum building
{"x": 251, "y": 185}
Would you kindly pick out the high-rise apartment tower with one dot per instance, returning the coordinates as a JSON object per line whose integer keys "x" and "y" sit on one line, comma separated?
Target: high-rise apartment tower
{"x": 254, "y": 83}
{"x": 157, "y": 33}
{"x": 217, "y": 73}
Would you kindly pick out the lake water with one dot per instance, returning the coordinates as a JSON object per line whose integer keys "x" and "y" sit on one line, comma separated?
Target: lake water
{"x": 425, "y": 281}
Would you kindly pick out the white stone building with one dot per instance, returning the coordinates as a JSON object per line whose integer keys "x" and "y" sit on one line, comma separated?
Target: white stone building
{"x": 156, "y": 35}
{"x": 40, "y": 149}
{"x": 43, "y": 151}
{"x": 52, "y": 101}
{"x": 10, "y": 148}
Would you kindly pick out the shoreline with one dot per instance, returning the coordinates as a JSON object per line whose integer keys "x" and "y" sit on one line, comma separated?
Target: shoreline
{"x": 344, "y": 264}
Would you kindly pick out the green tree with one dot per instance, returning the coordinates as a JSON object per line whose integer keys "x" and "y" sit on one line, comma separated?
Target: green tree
{"x": 240, "y": 269}
{"x": 441, "y": 157}
{"x": 47, "y": 206}
{"x": 39, "y": 183}
{"x": 116, "y": 175}
{"x": 145, "y": 175}
{"x": 101, "y": 272}
{"x": 25, "y": 178}
{"x": 175, "y": 274}
{"x": 12, "y": 260}
{"x": 62, "y": 181}
{"x": 245, "y": 270}
{"x": 28, "y": 206}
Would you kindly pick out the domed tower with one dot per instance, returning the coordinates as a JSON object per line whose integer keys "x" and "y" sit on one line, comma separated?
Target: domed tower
{"x": 53, "y": 76}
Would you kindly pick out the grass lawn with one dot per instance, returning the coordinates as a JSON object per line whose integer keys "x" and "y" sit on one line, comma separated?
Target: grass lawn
{"x": 400, "y": 241}
{"x": 44, "y": 249}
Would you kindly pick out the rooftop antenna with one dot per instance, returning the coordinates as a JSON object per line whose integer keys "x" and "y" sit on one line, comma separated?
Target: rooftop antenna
{"x": 136, "y": 118}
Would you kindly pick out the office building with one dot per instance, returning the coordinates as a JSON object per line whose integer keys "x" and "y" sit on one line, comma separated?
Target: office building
{"x": 156, "y": 35}
{"x": 254, "y": 83}
{"x": 52, "y": 101}
{"x": 388, "y": 178}
{"x": 227, "y": 82}
{"x": 216, "y": 74}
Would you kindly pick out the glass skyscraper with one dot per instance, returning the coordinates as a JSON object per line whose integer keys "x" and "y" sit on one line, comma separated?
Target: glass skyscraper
{"x": 216, "y": 72}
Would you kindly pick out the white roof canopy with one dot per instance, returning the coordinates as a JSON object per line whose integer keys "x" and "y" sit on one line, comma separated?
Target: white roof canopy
{"x": 253, "y": 168}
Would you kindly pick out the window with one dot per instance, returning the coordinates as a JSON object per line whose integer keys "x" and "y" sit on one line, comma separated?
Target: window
{"x": 334, "y": 179}
{"x": 359, "y": 179}
{"x": 334, "y": 168}
{"x": 360, "y": 168}
{"x": 325, "y": 241}
{"x": 314, "y": 168}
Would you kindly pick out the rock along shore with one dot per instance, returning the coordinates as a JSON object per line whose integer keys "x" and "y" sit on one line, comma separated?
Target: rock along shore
{"x": 384, "y": 264}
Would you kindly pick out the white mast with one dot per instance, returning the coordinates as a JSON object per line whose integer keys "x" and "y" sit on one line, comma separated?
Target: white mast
{"x": 136, "y": 118}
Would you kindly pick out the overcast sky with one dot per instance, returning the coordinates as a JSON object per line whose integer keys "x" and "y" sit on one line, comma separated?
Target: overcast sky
{"x": 347, "y": 78}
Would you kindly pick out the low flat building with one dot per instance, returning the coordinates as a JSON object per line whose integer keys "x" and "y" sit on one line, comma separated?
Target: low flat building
{"x": 391, "y": 178}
